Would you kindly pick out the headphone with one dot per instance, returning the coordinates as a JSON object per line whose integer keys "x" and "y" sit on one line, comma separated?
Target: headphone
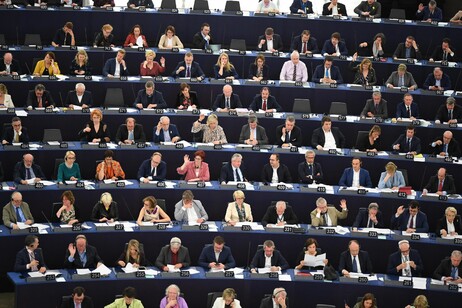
{"x": 282, "y": 290}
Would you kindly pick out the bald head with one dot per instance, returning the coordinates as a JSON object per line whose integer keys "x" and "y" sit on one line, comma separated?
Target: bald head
{"x": 7, "y": 58}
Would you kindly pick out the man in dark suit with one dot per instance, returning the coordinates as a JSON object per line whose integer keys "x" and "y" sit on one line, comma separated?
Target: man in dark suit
{"x": 443, "y": 52}
{"x": 310, "y": 171}
{"x": 153, "y": 169}
{"x": 407, "y": 109}
{"x": 279, "y": 297}
{"x": 270, "y": 41}
{"x": 401, "y": 78}
{"x": 15, "y": 133}
{"x": 164, "y": 131}
{"x": 334, "y": 47}
{"x": 26, "y": 170}
{"x": 233, "y": 171}
{"x": 327, "y": 215}
{"x": 203, "y": 38}
{"x": 77, "y": 299}
{"x": 429, "y": 13}
{"x": 188, "y": 68}
{"x": 449, "y": 112}
{"x": 9, "y": 66}
{"x": 450, "y": 224}
{"x": 441, "y": 184}
{"x": 327, "y": 137}
{"x": 405, "y": 262}
{"x": 376, "y": 107}
{"x": 137, "y": 3}
{"x": 446, "y": 146}
{"x": 450, "y": 269}
{"x": 81, "y": 255}
{"x": 327, "y": 73}
{"x": 116, "y": 67}
{"x": 437, "y": 81}
{"x": 174, "y": 251}
{"x": 304, "y": 43}
{"x": 30, "y": 258}
{"x": 17, "y": 211}
{"x": 39, "y": 98}
{"x": 265, "y": 102}
{"x": 354, "y": 260}
{"x": 252, "y": 133}
{"x": 334, "y": 8}
{"x": 279, "y": 215}
{"x": 79, "y": 97}
{"x": 408, "y": 50}
{"x": 364, "y": 179}
{"x": 289, "y": 134}
{"x": 130, "y": 133}
{"x": 217, "y": 256}
{"x": 275, "y": 172}
{"x": 276, "y": 261}
{"x": 410, "y": 219}
{"x": 408, "y": 142}
{"x": 370, "y": 218}
{"x": 301, "y": 7}
{"x": 149, "y": 98}
{"x": 227, "y": 100}
{"x": 369, "y": 8}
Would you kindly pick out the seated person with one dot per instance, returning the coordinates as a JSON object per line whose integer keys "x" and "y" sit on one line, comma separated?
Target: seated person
{"x": 402, "y": 79}
{"x": 457, "y": 18}
{"x": 166, "y": 132}
{"x": 26, "y": 170}
{"x": 129, "y": 296}
{"x": 105, "y": 37}
{"x": 238, "y": 211}
{"x": 30, "y": 257}
{"x": 391, "y": 178}
{"x": 327, "y": 137}
{"x": 140, "y": 3}
{"x": 334, "y": 8}
{"x": 375, "y": 107}
{"x": 301, "y": 7}
{"x": 265, "y": 102}
{"x": 211, "y": 132}
{"x": 68, "y": 170}
{"x": 109, "y": 169}
{"x": 116, "y": 67}
{"x": 68, "y": 213}
{"x": 186, "y": 98}
{"x": 16, "y": 211}
{"x": 39, "y": 98}
{"x": 309, "y": 171}
{"x": 354, "y": 260}
{"x": 364, "y": 72}
{"x": 370, "y": 142}
{"x": 80, "y": 254}
{"x": 9, "y": 66}
{"x": 105, "y": 210}
{"x": 197, "y": 170}
{"x": 407, "y": 109}
{"x": 408, "y": 50}
{"x": 64, "y": 36}
{"x": 227, "y": 299}
{"x": 15, "y": 133}
{"x": 130, "y": 133}
{"x": 267, "y": 6}
{"x": 405, "y": 262}
{"x": 441, "y": 184}
{"x": 95, "y": 130}
{"x": 259, "y": 70}
{"x": 304, "y": 43}
{"x": 443, "y": 52}
{"x": 203, "y": 38}
{"x": 169, "y": 40}
{"x": 294, "y": 69}
{"x": 78, "y": 297}
{"x": 188, "y": 68}
{"x": 134, "y": 254}
{"x": 449, "y": 268}
{"x": 450, "y": 224}
{"x": 325, "y": 215}
{"x": 135, "y": 38}
{"x": 446, "y": 145}
{"x": 152, "y": 68}
{"x": 279, "y": 214}
{"x": 429, "y": 13}
{"x": 152, "y": 212}
{"x": 189, "y": 210}
{"x": 153, "y": 169}
{"x": 47, "y": 66}
{"x": 450, "y": 112}
{"x": 355, "y": 176}
{"x": 370, "y": 218}
{"x": 334, "y": 47}
{"x": 410, "y": 219}
{"x": 227, "y": 100}
{"x": 5, "y": 98}
{"x": 149, "y": 98}
{"x": 174, "y": 254}
{"x": 234, "y": 171}
{"x": 408, "y": 142}
{"x": 289, "y": 134}
{"x": 437, "y": 81}
{"x": 172, "y": 298}
{"x": 216, "y": 256}
{"x": 275, "y": 172}
{"x": 327, "y": 73}
{"x": 369, "y": 8}
{"x": 270, "y": 41}
{"x": 103, "y": 3}
{"x": 79, "y": 97}
{"x": 252, "y": 133}
{"x": 224, "y": 69}
{"x": 310, "y": 248}
{"x": 268, "y": 257}
{"x": 277, "y": 299}
{"x": 373, "y": 48}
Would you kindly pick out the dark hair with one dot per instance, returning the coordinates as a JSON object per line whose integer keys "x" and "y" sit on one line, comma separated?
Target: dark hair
{"x": 218, "y": 240}
{"x": 204, "y": 25}
{"x": 447, "y": 40}
{"x": 325, "y": 119}
{"x": 260, "y": 56}
{"x": 368, "y": 296}
{"x": 306, "y": 32}
{"x": 328, "y": 59}
{"x": 151, "y": 200}
{"x": 108, "y": 153}
{"x": 69, "y": 25}
{"x": 30, "y": 239}
{"x": 269, "y": 31}
{"x": 69, "y": 195}
{"x": 184, "y": 85}
{"x": 171, "y": 28}
{"x": 51, "y": 55}
{"x": 414, "y": 204}
{"x": 382, "y": 36}
{"x": 310, "y": 241}
{"x": 133, "y": 29}
{"x": 200, "y": 153}
{"x": 129, "y": 292}
{"x": 78, "y": 291}
{"x": 265, "y": 88}
{"x": 410, "y": 127}
{"x": 336, "y": 35}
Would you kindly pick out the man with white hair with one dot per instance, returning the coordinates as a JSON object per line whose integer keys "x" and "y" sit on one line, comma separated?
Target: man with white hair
{"x": 405, "y": 261}
{"x": 450, "y": 269}
{"x": 294, "y": 69}
{"x": 278, "y": 299}
{"x": 279, "y": 214}
{"x": 173, "y": 256}
{"x": 79, "y": 97}
{"x": 9, "y": 66}
{"x": 437, "y": 81}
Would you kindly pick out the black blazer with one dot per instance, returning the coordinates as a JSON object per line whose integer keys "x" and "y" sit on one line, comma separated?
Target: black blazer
{"x": 295, "y": 136}
{"x": 430, "y": 81}
{"x": 277, "y": 42}
{"x": 138, "y": 133}
{"x": 227, "y": 174}
{"x": 271, "y": 217}
{"x": 403, "y": 147}
{"x": 318, "y": 137}
{"x": 99, "y": 211}
{"x": 400, "y": 52}
{"x": 196, "y": 70}
{"x": 22, "y": 259}
{"x": 102, "y": 133}
{"x": 145, "y": 170}
{"x": 172, "y": 130}
{"x": 311, "y": 45}
{"x": 14, "y": 67}
{"x": 308, "y": 177}
{"x": 448, "y": 185}
{"x": 443, "y": 224}
{"x": 277, "y": 259}
{"x": 8, "y": 135}
{"x": 198, "y": 41}
{"x": 165, "y": 257}
{"x": 382, "y": 108}
{"x": 192, "y": 99}
{"x": 76, "y": 67}
{"x": 253, "y": 69}
{"x": 347, "y": 264}
{"x": 157, "y": 98}
{"x": 92, "y": 259}
{"x": 234, "y": 102}
{"x": 444, "y": 269}
{"x": 69, "y": 302}
{"x": 437, "y": 54}
{"x": 453, "y": 148}
{"x": 271, "y": 103}
{"x": 443, "y": 115}
{"x": 110, "y": 67}
{"x": 363, "y": 143}
{"x": 340, "y": 8}
{"x": 283, "y": 174}
{"x": 395, "y": 259}
{"x": 363, "y": 217}
{"x": 72, "y": 99}
{"x": 19, "y": 172}
{"x": 47, "y": 100}
{"x": 371, "y": 78}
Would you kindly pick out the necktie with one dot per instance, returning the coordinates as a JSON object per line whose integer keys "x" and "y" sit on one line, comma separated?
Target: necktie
{"x": 445, "y": 148}
{"x": 408, "y": 52}
{"x": 264, "y": 105}
{"x": 445, "y": 56}
{"x": 39, "y": 102}
{"x": 238, "y": 178}
{"x": 355, "y": 266}
{"x": 450, "y": 114}
{"x": 327, "y": 73}
{"x": 408, "y": 111}
{"x": 310, "y": 169}
{"x": 294, "y": 77}
{"x": 154, "y": 171}
{"x": 440, "y": 186}
{"x": 16, "y": 137}
{"x": 407, "y": 270}
{"x": 337, "y": 50}
{"x": 28, "y": 175}
{"x": 32, "y": 258}
{"x": 131, "y": 136}
{"x": 287, "y": 137}
{"x": 408, "y": 143}
{"x": 376, "y": 108}
{"x": 227, "y": 103}
{"x": 304, "y": 47}
{"x": 206, "y": 44}
{"x": 18, "y": 216}
{"x": 454, "y": 272}
{"x": 370, "y": 223}
{"x": 188, "y": 72}
{"x": 324, "y": 217}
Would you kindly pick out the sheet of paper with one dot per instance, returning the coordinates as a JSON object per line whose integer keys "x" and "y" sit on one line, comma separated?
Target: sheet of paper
{"x": 129, "y": 268}
{"x": 102, "y": 269}
{"x": 266, "y": 270}
{"x": 422, "y": 235}
{"x": 285, "y": 277}
{"x": 314, "y": 261}
{"x": 172, "y": 269}
{"x": 47, "y": 183}
{"x": 83, "y": 271}
{"x": 36, "y": 274}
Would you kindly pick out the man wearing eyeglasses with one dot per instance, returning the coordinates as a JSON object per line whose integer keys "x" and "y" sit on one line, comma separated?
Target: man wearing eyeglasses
{"x": 405, "y": 262}
{"x": 17, "y": 211}
{"x": 16, "y": 133}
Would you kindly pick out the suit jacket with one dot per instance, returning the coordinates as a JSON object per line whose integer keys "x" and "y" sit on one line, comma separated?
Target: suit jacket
{"x": 437, "y": 54}
{"x": 396, "y": 181}
{"x": 382, "y": 109}
{"x": 234, "y": 102}
{"x": 319, "y": 73}
{"x": 445, "y": 82}
{"x": 22, "y": 259}
{"x": 436, "y": 15}
{"x": 408, "y": 80}
{"x": 189, "y": 171}
{"x": 172, "y": 130}
{"x": 110, "y": 67}
{"x": 277, "y": 42}
{"x": 47, "y": 100}
{"x": 277, "y": 259}
{"x": 332, "y": 212}
{"x": 198, "y": 41}
{"x": 253, "y": 69}
{"x": 92, "y": 259}
{"x": 443, "y": 116}
{"x": 262, "y": 138}
{"x": 316, "y": 173}
{"x": 283, "y": 174}
{"x": 157, "y": 98}
{"x": 232, "y": 215}
{"x": 443, "y": 224}
{"x": 297, "y": 5}
{"x": 371, "y": 78}
{"x": 375, "y": 10}
{"x": 196, "y": 70}
{"x": 69, "y": 302}
{"x": 400, "y": 52}
{"x": 271, "y": 103}
{"x": 271, "y": 216}
{"x": 453, "y": 148}
{"x": 208, "y": 255}
{"x": 444, "y": 269}
{"x": 165, "y": 257}
{"x": 403, "y": 146}
{"x": 19, "y": 172}
{"x": 9, "y": 214}
{"x": 329, "y": 48}
{"x": 340, "y": 8}
{"x": 14, "y": 66}
{"x": 138, "y": 133}
{"x": 448, "y": 185}
{"x": 72, "y": 99}
{"x": 395, "y": 259}
{"x": 362, "y": 219}
{"x": 120, "y": 303}
{"x": 318, "y": 137}
{"x": 227, "y": 174}
{"x": 400, "y": 222}
{"x": 267, "y": 302}
{"x": 145, "y": 170}
{"x": 182, "y": 215}
{"x": 311, "y": 45}
{"x": 8, "y": 135}
{"x": 401, "y": 111}
{"x": 363, "y": 143}
{"x": 295, "y": 136}
{"x": 347, "y": 178}
{"x": 347, "y": 264}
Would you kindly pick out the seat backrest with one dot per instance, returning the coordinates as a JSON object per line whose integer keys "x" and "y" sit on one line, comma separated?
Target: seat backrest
{"x": 52, "y": 134}
{"x": 168, "y": 4}
{"x": 65, "y": 299}
{"x": 2, "y": 39}
{"x": 238, "y": 44}
{"x": 198, "y": 137}
{"x": 114, "y": 97}
{"x": 406, "y": 179}
{"x": 338, "y": 108}
{"x": 54, "y": 209}
{"x": 201, "y": 5}
{"x": 302, "y": 105}
{"x": 211, "y": 297}
{"x": 34, "y": 63}
{"x": 232, "y": 6}
{"x": 32, "y": 39}
{"x": 398, "y": 14}
{"x": 162, "y": 205}
{"x": 58, "y": 161}
{"x": 361, "y": 135}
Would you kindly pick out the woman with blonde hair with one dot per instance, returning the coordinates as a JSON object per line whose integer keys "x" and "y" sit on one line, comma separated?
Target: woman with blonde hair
{"x": 133, "y": 254}
{"x": 149, "y": 67}
{"x": 371, "y": 141}
{"x": 105, "y": 210}
{"x": 419, "y": 302}
{"x": 224, "y": 69}
{"x": 5, "y": 98}
{"x": 238, "y": 211}
{"x": 212, "y": 132}
{"x": 364, "y": 72}
{"x": 391, "y": 178}
{"x": 68, "y": 170}
{"x": 80, "y": 64}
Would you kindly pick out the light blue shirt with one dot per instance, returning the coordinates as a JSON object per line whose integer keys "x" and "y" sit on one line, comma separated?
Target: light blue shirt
{"x": 397, "y": 180}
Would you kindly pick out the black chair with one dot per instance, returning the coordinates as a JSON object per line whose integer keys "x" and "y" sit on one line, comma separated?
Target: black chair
{"x": 404, "y": 172}
{"x": 211, "y": 297}
{"x": 325, "y": 306}
{"x": 54, "y": 209}
{"x": 397, "y": 14}
{"x": 302, "y": 105}
{"x": 58, "y": 161}
{"x": 2, "y": 39}
{"x": 5, "y": 127}
{"x": 198, "y": 137}
{"x": 162, "y": 205}
{"x": 65, "y": 299}
{"x": 232, "y": 6}
{"x": 114, "y": 98}
{"x": 168, "y": 5}
{"x": 238, "y": 44}
{"x": 32, "y": 39}
{"x": 361, "y": 135}
{"x": 201, "y": 5}
{"x": 338, "y": 108}
{"x": 52, "y": 134}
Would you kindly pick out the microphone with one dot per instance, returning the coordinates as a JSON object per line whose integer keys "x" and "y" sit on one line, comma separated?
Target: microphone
{"x": 17, "y": 36}
{"x": 429, "y": 45}
{"x": 248, "y": 256}
{"x": 28, "y": 69}
{"x": 86, "y": 37}
{"x": 49, "y": 222}
{"x": 128, "y": 208}
{"x": 133, "y": 92}
{"x": 61, "y": 99}
{"x": 423, "y": 178}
